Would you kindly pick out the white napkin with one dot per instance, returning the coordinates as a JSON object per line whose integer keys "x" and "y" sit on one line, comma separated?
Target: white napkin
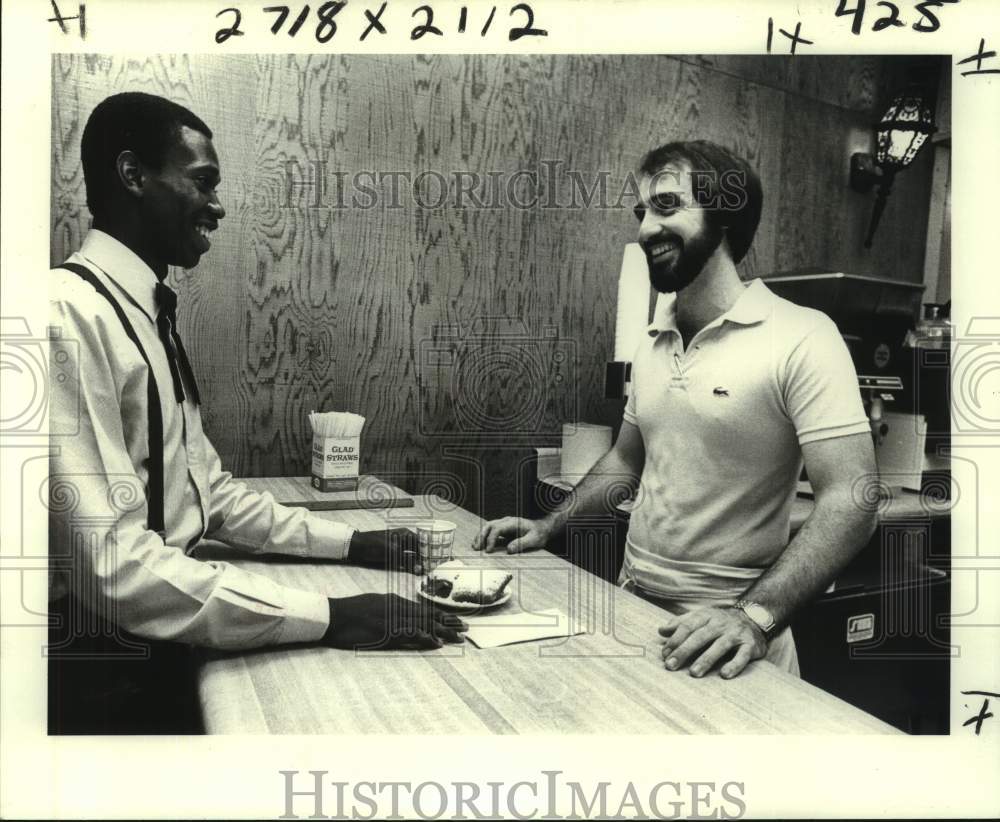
{"x": 491, "y": 631}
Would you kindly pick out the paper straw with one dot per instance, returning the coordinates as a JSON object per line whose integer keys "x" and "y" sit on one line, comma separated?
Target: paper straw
{"x": 339, "y": 424}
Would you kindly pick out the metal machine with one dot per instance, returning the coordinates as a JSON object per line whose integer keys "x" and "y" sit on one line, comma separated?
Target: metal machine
{"x": 879, "y": 637}
{"x": 874, "y": 316}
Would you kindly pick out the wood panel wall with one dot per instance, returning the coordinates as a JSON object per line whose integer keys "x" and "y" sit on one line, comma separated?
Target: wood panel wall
{"x": 464, "y": 334}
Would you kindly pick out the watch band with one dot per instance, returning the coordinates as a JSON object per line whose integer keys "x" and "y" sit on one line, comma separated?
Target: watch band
{"x": 758, "y": 615}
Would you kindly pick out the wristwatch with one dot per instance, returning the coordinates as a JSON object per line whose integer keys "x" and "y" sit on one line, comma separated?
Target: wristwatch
{"x": 758, "y": 615}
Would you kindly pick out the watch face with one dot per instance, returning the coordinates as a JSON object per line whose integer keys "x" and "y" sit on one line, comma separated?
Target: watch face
{"x": 760, "y": 615}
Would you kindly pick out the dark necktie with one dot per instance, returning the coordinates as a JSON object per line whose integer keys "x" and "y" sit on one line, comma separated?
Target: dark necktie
{"x": 166, "y": 325}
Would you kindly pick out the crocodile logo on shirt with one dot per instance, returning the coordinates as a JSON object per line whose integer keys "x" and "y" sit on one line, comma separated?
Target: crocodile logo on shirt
{"x": 719, "y": 391}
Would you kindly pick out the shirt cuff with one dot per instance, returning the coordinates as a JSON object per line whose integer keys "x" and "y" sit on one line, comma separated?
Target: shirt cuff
{"x": 307, "y": 616}
{"x": 829, "y": 433}
{"x": 329, "y": 540}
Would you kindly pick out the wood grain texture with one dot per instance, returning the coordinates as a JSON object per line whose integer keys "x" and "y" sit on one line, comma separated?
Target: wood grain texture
{"x": 298, "y": 492}
{"x": 609, "y": 679}
{"x": 466, "y": 335}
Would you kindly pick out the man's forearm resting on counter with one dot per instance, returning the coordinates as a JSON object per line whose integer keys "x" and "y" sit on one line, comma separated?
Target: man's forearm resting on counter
{"x": 593, "y": 493}
{"x": 619, "y": 469}
{"x": 834, "y": 533}
{"x": 840, "y": 525}
{"x": 152, "y": 587}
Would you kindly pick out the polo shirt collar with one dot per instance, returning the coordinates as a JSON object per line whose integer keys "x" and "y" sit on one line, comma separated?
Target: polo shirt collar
{"x": 753, "y": 306}
{"x": 122, "y": 265}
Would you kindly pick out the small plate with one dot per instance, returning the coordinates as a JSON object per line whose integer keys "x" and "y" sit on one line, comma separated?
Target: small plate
{"x": 447, "y": 602}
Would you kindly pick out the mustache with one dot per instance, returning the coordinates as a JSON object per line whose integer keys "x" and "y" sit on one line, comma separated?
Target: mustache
{"x": 647, "y": 245}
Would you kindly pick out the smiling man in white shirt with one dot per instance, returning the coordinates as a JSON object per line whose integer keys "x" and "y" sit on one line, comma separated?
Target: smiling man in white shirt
{"x": 137, "y": 485}
{"x": 732, "y": 391}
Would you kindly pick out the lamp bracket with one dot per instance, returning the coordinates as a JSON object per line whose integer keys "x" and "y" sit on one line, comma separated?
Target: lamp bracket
{"x": 865, "y": 173}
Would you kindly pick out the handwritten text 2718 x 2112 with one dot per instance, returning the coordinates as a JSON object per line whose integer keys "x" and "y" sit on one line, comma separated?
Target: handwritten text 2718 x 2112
{"x": 323, "y": 21}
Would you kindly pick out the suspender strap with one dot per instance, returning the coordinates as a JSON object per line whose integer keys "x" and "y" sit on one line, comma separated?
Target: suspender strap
{"x": 154, "y": 491}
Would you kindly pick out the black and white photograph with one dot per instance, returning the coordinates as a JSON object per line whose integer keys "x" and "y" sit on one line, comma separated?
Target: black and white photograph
{"x": 476, "y": 426}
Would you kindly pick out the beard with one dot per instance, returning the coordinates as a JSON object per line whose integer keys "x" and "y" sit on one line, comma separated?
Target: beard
{"x": 671, "y": 277}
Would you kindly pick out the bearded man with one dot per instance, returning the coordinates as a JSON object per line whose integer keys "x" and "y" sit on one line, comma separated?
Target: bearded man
{"x": 732, "y": 391}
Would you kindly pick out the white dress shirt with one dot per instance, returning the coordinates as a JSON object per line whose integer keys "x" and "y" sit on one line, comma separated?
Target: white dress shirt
{"x": 148, "y": 584}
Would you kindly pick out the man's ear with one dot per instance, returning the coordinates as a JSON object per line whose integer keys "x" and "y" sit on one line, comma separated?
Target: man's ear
{"x": 130, "y": 173}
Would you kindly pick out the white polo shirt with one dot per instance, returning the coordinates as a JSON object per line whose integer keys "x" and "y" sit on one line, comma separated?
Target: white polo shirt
{"x": 722, "y": 424}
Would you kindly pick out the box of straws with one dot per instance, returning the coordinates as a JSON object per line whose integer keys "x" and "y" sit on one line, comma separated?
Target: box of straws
{"x": 336, "y": 450}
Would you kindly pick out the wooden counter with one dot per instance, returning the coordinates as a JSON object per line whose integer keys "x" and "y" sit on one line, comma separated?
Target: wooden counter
{"x": 298, "y": 492}
{"x": 607, "y": 680}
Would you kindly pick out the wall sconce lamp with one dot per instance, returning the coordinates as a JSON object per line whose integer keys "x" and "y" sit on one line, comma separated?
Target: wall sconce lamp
{"x": 904, "y": 128}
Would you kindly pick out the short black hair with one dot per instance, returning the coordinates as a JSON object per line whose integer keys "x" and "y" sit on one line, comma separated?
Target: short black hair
{"x": 132, "y": 121}
{"x": 727, "y": 187}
